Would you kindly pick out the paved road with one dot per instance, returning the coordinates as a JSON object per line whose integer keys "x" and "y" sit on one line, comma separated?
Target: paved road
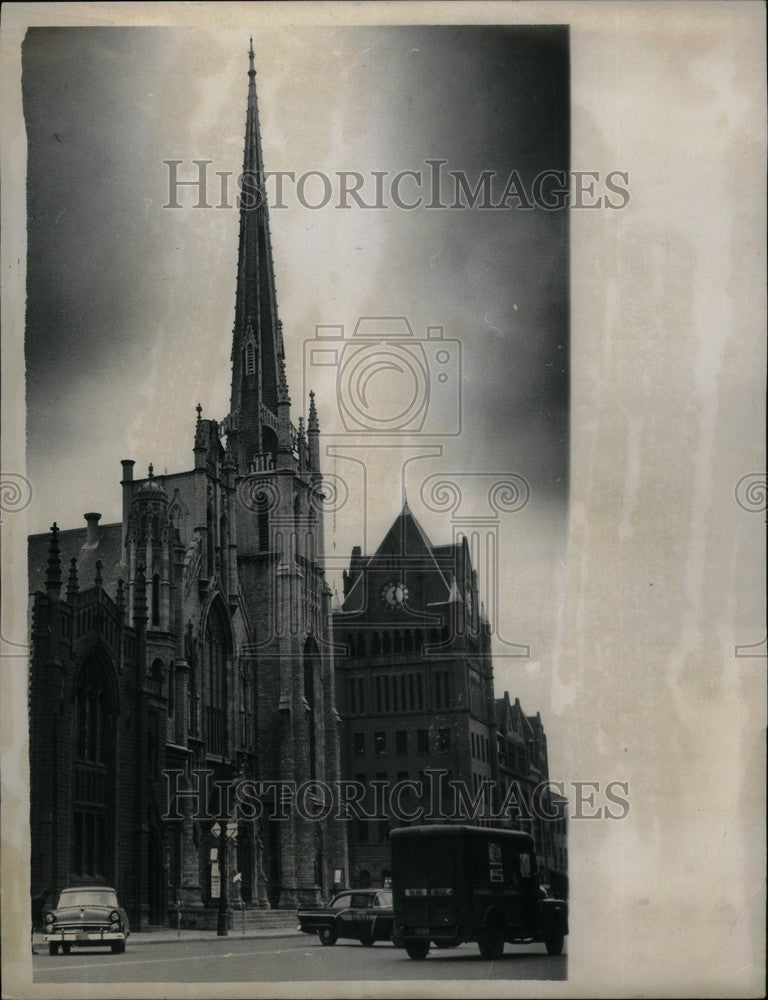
{"x": 289, "y": 959}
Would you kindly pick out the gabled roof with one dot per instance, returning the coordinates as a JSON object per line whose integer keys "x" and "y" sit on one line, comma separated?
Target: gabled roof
{"x": 74, "y": 542}
{"x": 405, "y": 547}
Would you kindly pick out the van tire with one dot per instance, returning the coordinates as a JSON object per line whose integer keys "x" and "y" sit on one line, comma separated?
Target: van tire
{"x": 66, "y": 949}
{"x": 554, "y": 943}
{"x": 417, "y": 950}
{"x": 368, "y": 941}
{"x": 326, "y": 935}
{"x": 492, "y": 945}
{"x": 53, "y": 948}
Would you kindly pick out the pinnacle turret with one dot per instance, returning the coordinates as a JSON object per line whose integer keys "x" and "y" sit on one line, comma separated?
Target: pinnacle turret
{"x": 53, "y": 577}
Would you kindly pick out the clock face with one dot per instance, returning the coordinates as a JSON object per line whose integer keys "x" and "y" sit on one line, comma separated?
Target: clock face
{"x": 394, "y": 594}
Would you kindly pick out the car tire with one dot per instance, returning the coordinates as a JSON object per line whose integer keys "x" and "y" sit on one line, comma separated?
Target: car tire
{"x": 326, "y": 935}
{"x": 66, "y": 948}
{"x": 118, "y": 947}
{"x": 492, "y": 946}
{"x": 417, "y": 950}
{"x": 368, "y": 941}
{"x": 53, "y": 948}
{"x": 554, "y": 943}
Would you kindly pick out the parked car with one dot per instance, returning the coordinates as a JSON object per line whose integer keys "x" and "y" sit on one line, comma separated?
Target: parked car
{"x": 86, "y": 917}
{"x": 363, "y": 915}
{"x": 453, "y": 884}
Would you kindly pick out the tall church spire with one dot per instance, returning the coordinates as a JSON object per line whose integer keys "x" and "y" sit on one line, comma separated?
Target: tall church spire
{"x": 257, "y": 338}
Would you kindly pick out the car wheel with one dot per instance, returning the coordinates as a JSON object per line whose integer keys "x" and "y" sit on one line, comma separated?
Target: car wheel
{"x": 492, "y": 946}
{"x": 417, "y": 949}
{"x": 554, "y": 943}
{"x": 53, "y": 948}
{"x": 118, "y": 947}
{"x": 66, "y": 948}
{"x": 327, "y": 936}
{"x": 367, "y": 942}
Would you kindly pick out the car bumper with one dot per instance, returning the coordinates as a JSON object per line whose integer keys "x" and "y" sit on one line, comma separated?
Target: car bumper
{"x": 84, "y": 937}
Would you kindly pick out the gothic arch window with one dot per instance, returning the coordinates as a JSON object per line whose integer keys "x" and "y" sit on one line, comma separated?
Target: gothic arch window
{"x": 92, "y": 856}
{"x": 176, "y": 517}
{"x": 360, "y": 645}
{"x": 157, "y": 675}
{"x": 216, "y": 658}
{"x": 387, "y": 644}
{"x": 397, "y": 640}
{"x": 250, "y": 359}
{"x": 270, "y": 443}
{"x": 408, "y": 641}
{"x": 375, "y": 644}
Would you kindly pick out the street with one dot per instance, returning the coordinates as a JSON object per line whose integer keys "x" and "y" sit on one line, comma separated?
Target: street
{"x": 289, "y": 959}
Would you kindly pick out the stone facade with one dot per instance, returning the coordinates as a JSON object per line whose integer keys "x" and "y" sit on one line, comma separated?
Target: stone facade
{"x": 415, "y": 683}
{"x": 193, "y": 635}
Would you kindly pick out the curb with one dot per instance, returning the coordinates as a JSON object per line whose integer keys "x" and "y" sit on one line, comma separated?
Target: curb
{"x": 248, "y": 936}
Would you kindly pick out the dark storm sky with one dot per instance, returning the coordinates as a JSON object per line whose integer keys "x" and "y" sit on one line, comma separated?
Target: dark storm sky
{"x": 130, "y": 305}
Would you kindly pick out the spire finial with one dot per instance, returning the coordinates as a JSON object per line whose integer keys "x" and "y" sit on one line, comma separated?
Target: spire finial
{"x": 150, "y": 471}
{"x": 312, "y": 423}
{"x": 405, "y": 498}
{"x": 251, "y": 57}
{"x": 199, "y": 409}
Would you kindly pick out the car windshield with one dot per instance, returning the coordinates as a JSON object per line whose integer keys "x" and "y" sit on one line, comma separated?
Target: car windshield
{"x": 87, "y": 897}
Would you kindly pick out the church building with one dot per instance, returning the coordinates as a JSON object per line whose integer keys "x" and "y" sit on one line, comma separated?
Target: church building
{"x": 194, "y": 634}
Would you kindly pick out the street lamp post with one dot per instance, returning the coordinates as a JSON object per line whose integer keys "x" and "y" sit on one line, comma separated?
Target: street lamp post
{"x": 222, "y": 927}
{"x": 224, "y": 833}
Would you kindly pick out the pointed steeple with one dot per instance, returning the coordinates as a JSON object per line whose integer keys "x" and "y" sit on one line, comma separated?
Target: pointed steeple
{"x": 255, "y": 388}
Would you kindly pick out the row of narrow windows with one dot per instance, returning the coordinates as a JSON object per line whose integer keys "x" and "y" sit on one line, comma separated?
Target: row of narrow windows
{"x": 398, "y": 693}
{"x": 394, "y": 641}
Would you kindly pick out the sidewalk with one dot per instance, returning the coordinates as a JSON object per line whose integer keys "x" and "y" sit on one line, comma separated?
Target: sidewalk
{"x": 167, "y": 935}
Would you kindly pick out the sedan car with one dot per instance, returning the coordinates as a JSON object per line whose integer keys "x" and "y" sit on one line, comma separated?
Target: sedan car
{"x": 86, "y": 917}
{"x": 363, "y": 915}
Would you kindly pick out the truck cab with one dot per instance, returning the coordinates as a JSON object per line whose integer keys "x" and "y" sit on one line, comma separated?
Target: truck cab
{"x": 455, "y": 883}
